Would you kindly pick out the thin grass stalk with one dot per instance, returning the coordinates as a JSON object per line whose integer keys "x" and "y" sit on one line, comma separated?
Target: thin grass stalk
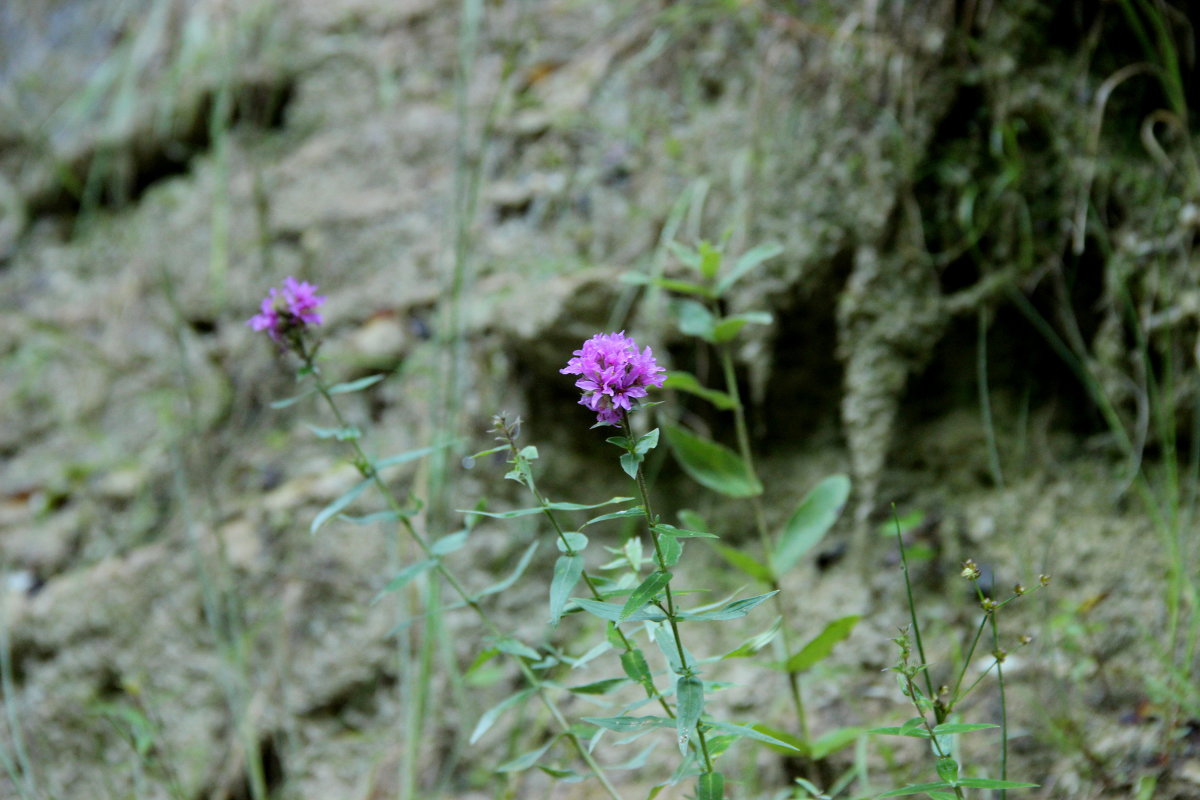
{"x": 912, "y": 608}
{"x": 985, "y": 400}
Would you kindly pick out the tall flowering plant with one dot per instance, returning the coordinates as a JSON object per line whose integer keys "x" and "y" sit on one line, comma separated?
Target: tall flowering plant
{"x": 288, "y": 315}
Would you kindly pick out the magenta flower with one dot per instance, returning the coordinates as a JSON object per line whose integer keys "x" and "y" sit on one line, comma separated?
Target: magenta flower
{"x": 613, "y": 374}
{"x": 287, "y": 312}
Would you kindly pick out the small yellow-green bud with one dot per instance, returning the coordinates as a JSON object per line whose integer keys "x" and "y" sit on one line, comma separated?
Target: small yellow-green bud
{"x": 1018, "y": 590}
{"x": 1000, "y": 654}
{"x": 970, "y": 570}
{"x": 989, "y": 605}
{"x": 1025, "y": 639}
{"x": 1044, "y": 580}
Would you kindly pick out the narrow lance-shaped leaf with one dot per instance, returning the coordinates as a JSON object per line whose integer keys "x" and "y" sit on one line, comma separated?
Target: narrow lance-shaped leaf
{"x": 711, "y": 464}
{"x": 526, "y": 760}
{"x": 492, "y": 714}
{"x": 338, "y": 504}
{"x": 711, "y": 786}
{"x": 822, "y": 644}
{"x": 745, "y": 562}
{"x": 686, "y": 382}
{"x": 734, "y": 610}
{"x": 689, "y": 705}
{"x": 749, "y": 260}
{"x": 516, "y": 573}
{"x": 810, "y": 522}
{"x": 355, "y": 386}
{"x": 567, "y": 571}
{"x": 644, "y": 593}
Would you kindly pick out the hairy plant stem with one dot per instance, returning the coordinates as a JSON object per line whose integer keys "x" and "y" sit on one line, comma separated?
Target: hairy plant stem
{"x": 764, "y": 535}
{"x": 368, "y": 471}
{"x": 669, "y": 599}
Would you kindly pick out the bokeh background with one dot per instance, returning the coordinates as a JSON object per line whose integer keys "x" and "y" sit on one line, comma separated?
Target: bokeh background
{"x": 986, "y": 312}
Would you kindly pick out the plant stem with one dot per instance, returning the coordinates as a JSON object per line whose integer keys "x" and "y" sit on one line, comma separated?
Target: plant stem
{"x": 470, "y": 600}
{"x": 912, "y": 608}
{"x": 764, "y": 536}
{"x": 670, "y": 601}
{"x": 509, "y": 438}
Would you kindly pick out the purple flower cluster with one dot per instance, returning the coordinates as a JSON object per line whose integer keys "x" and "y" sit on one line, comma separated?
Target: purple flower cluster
{"x": 613, "y": 373}
{"x": 288, "y": 311}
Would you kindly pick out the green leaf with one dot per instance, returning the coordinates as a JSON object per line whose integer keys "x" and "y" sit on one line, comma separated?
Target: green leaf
{"x": 711, "y": 786}
{"x": 515, "y": 648}
{"x": 745, "y": 562}
{"x": 525, "y": 761}
{"x": 810, "y": 522}
{"x": 599, "y": 687}
{"x": 822, "y": 645}
{"x": 734, "y": 610}
{"x": 942, "y": 796}
{"x": 449, "y": 543}
{"x": 784, "y": 742}
{"x": 752, "y": 733}
{"x": 567, "y": 571}
{"x": 492, "y": 714}
{"x": 913, "y": 725}
{"x": 711, "y": 464}
{"x": 689, "y": 705}
{"x": 338, "y": 504}
{"x": 612, "y": 611}
{"x": 574, "y": 540}
{"x": 755, "y": 643}
{"x": 710, "y": 260}
{"x": 694, "y": 319}
{"x": 628, "y": 724}
{"x": 562, "y": 775}
{"x": 403, "y": 458}
{"x": 646, "y": 442}
{"x": 524, "y": 512}
{"x": 292, "y": 400}
{"x": 378, "y": 516}
{"x": 341, "y": 434}
{"x": 918, "y": 788}
{"x": 516, "y": 573}
{"x": 635, "y": 666}
{"x": 663, "y": 529}
{"x": 629, "y": 463}
{"x": 947, "y": 770}
{"x": 961, "y": 727}
{"x": 636, "y": 511}
{"x": 355, "y": 386}
{"x": 686, "y": 382}
{"x": 665, "y": 639}
{"x": 644, "y": 593}
{"x": 749, "y": 260}
{"x": 834, "y": 740}
{"x": 989, "y": 783}
{"x": 729, "y": 327}
{"x": 670, "y": 284}
{"x": 403, "y": 578}
{"x": 672, "y": 550}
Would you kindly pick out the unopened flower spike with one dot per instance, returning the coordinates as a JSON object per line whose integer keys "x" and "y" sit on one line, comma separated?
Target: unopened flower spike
{"x": 613, "y": 374}
{"x": 287, "y": 313}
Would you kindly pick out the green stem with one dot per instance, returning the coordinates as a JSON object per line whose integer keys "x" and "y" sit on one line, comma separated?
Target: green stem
{"x": 669, "y": 599}
{"x": 452, "y": 580}
{"x": 912, "y": 608}
{"x": 509, "y": 439}
{"x": 764, "y": 536}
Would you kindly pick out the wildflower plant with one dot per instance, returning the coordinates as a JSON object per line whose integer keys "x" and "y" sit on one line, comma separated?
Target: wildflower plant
{"x": 290, "y": 318}
{"x": 936, "y": 720}
{"x": 699, "y": 306}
